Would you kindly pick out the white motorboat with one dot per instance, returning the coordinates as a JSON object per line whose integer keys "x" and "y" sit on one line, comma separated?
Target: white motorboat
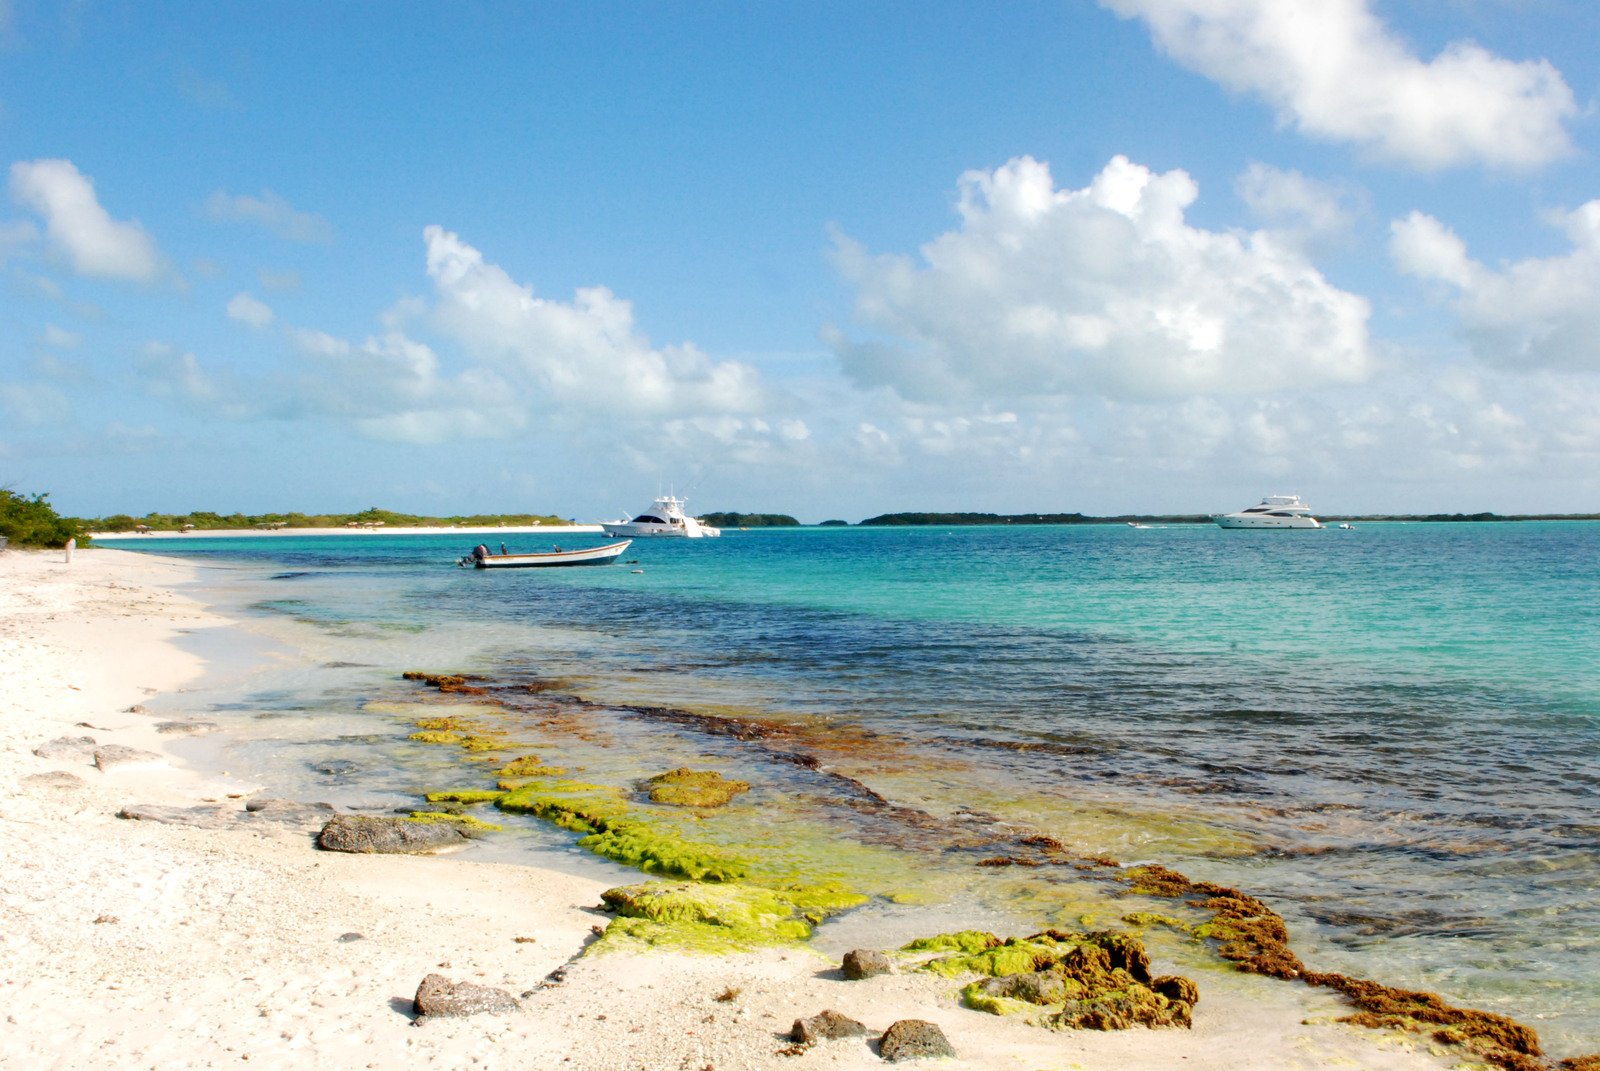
{"x": 481, "y": 558}
{"x": 1274, "y": 511}
{"x": 665, "y": 517}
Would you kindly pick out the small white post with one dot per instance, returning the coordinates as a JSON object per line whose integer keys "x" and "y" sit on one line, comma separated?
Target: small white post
{"x": 72, "y": 545}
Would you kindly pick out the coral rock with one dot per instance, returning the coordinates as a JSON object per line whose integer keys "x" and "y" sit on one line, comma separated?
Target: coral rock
{"x": 438, "y": 996}
{"x": 825, "y": 1026}
{"x": 1177, "y": 987}
{"x": 111, "y": 755}
{"x": 74, "y": 748}
{"x": 913, "y": 1039}
{"x": 864, "y": 963}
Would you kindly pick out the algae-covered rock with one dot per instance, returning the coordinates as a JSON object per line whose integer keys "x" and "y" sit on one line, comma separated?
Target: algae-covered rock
{"x": 467, "y": 797}
{"x": 364, "y": 834}
{"x": 573, "y": 805}
{"x": 659, "y": 852}
{"x": 862, "y": 963}
{"x": 704, "y": 917}
{"x": 468, "y": 825}
{"x": 439, "y": 997}
{"x": 914, "y": 1039}
{"x": 530, "y": 766}
{"x": 826, "y": 1025}
{"x": 684, "y": 787}
{"x": 437, "y": 736}
{"x": 1062, "y": 979}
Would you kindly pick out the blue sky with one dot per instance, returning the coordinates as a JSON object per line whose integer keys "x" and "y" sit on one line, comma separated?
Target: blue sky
{"x": 829, "y": 259}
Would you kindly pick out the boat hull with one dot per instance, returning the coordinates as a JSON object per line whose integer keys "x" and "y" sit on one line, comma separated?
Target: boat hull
{"x": 588, "y": 556}
{"x": 1232, "y": 521}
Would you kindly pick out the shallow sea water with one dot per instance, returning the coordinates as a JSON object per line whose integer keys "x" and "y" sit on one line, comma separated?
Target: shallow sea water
{"x": 1391, "y": 734}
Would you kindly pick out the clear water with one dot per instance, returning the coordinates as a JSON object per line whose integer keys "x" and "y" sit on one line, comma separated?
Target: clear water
{"x": 1392, "y": 734}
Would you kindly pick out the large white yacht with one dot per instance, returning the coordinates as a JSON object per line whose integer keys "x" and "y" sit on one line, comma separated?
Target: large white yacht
{"x": 1275, "y": 511}
{"x": 665, "y": 517}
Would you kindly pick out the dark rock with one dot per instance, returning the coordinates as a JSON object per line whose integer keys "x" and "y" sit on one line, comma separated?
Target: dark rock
{"x": 824, "y": 1026}
{"x": 1177, "y": 987}
{"x": 864, "y": 963}
{"x": 199, "y": 817}
{"x": 364, "y": 834}
{"x": 913, "y": 1039}
{"x": 109, "y": 755}
{"x": 347, "y": 938}
{"x": 1035, "y": 987}
{"x": 189, "y": 728}
{"x": 438, "y": 996}
{"x": 72, "y": 748}
{"x": 54, "y": 779}
{"x": 336, "y": 769}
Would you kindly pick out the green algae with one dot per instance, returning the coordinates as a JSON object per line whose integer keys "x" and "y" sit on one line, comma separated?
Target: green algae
{"x": 435, "y": 736}
{"x": 485, "y": 742}
{"x": 446, "y": 724}
{"x": 683, "y": 787}
{"x": 969, "y": 942}
{"x": 655, "y": 851}
{"x": 465, "y": 822}
{"x": 468, "y": 796}
{"x": 574, "y": 805}
{"x": 717, "y": 918}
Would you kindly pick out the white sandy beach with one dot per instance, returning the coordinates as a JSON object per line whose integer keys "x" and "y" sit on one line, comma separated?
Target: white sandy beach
{"x": 132, "y": 944}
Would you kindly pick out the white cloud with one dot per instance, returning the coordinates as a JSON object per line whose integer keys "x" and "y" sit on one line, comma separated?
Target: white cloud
{"x": 1333, "y": 70}
{"x": 1307, "y": 212}
{"x": 271, "y": 212}
{"x": 586, "y": 352}
{"x": 169, "y": 373}
{"x": 1104, "y": 290}
{"x": 60, "y": 338}
{"x": 78, "y": 226}
{"x": 1537, "y": 312}
{"x": 250, "y": 310}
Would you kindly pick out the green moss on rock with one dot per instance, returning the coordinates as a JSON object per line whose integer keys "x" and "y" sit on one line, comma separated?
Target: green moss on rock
{"x": 684, "y": 787}
{"x": 658, "y": 852}
{"x": 465, "y": 822}
{"x": 468, "y": 796}
{"x": 1060, "y": 979}
{"x": 437, "y": 736}
{"x": 715, "y": 918}
{"x": 530, "y": 766}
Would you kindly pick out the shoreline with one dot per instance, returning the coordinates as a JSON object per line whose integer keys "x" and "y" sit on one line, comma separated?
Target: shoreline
{"x": 208, "y": 947}
{"x": 278, "y": 533}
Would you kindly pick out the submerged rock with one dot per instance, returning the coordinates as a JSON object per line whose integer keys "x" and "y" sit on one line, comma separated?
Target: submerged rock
{"x": 684, "y": 787}
{"x": 825, "y": 1026}
{"x": 186, "y": 728}
{"x": 199, "y": 817}
{"x": 363, "y": 834}
{"x": 289, "y": 812}
{"x": 862, "y": 963}
{"x": 711, "y": 917}
{"x": 913, "y": 1039}
{"x": 439, "y": 997}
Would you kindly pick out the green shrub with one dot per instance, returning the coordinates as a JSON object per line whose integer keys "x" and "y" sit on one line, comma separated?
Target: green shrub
{"x": 32, "y": 522}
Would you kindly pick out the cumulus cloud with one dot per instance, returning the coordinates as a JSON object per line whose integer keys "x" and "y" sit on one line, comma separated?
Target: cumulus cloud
{"x": 250, "y": 310}
{"x": 586, "y": 352}
{"x": 1333, "y": 70}
{"x": 79, "y": 227}
{"x": 271, "y": 212}
{"x": 1541, "y": 312}
{"x": 60, "y": 338}
{"x": 1102, "y": 290}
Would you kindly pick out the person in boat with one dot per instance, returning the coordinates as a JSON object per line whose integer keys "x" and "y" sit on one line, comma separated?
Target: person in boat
{"x": 502, "y": 548}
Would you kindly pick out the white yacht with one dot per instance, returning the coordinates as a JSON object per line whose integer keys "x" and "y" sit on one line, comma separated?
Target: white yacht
{"x": 1275, "y": 511}
{"x": 665, "y": 517}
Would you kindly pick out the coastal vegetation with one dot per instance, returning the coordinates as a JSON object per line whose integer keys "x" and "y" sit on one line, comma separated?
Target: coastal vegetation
{"x": 206, "y": 520}
{"x": 750, "y": 520}
{"x": 30, "y": 521}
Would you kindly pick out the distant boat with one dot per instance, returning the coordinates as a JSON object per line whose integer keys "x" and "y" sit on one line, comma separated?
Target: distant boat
{"x": 665, "y": 517}
{"x": 1274, "y": 511}
{"x": 480, "y": 558}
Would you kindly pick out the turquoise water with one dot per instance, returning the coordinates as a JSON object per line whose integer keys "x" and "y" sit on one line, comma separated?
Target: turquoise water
{"x": 1390, "y": 733}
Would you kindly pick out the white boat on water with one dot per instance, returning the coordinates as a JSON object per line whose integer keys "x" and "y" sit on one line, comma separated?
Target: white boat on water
{"x": 665, "y": 517}
{"x": 1274, "y": 511}
{"x": 481, "y": 558}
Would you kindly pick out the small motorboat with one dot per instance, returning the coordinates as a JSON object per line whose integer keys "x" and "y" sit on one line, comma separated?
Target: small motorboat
{"x": 481, "y": 558}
